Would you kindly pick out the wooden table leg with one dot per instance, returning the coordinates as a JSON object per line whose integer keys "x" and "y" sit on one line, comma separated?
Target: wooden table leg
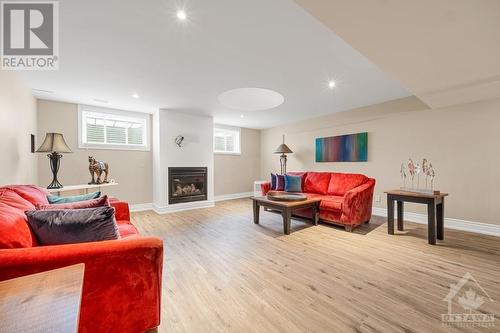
{"x": 256, "y": 212}
{"x": 287, "y": 220}
{"x": 390, "y": 215}
{"x": 315, "y": 213}
{"x": 440, "y": 220}
{"x": 400, "y": 215}
{"x": 431, "y": 222}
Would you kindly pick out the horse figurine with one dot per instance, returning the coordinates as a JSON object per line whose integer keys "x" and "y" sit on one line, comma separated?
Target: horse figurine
{"x": 98, "y": 168}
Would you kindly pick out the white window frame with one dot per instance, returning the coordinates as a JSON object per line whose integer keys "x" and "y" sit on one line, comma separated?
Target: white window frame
{"x": 238, "y": 145}
{"x": 128, "y": 114}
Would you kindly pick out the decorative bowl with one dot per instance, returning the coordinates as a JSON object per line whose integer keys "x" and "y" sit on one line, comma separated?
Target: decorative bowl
{"x": 285, "y": 196}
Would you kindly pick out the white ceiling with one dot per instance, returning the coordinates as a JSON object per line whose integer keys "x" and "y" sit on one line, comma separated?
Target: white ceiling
{"x": 445, "y": 52}
{"x": 114, "y": 48}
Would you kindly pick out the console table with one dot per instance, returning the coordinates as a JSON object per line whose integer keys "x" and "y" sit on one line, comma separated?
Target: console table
{"x": 83, "y": 188}
{"x": 435, "y": 211}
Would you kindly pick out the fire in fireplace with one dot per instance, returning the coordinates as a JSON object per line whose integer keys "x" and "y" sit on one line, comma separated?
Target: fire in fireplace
{"x": 187, "y": 184}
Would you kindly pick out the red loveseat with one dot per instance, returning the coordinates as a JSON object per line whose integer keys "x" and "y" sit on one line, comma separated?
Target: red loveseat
{"x": 122, "y": 279}
{"x": 346, "y": 198}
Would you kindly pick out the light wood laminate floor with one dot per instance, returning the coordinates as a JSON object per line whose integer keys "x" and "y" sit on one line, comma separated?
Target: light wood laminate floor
{"x": 223, "y": 273}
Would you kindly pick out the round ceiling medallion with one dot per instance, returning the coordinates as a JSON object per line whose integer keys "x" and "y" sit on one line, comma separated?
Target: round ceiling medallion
{"x": 251, "y": 99}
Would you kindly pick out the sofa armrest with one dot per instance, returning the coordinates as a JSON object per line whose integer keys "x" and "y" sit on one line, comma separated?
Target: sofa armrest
{"x": 265, "y": 187}
{"x": 357, "y": 205}
{"x": 122, "y": 211}
{"x": 122, "y": 279}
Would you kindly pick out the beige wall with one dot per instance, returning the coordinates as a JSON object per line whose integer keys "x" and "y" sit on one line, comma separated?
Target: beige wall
{"x": 17, "y": 122}
{"x": 236, "y": 173}
{"x": 131, "y": 169}
{"x": 462, "y": 142}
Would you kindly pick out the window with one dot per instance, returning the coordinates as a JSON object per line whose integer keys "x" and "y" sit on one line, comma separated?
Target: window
{"x": 112, "y": 129}
{"x": 226, "y": 140}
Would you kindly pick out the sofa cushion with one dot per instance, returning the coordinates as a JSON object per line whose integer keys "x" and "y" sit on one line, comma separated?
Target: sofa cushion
{"x": 33, "y": 194}
{"x": 93, "y": 203}
{"x": 331, "y": 203}
{"x": 341, "y": 183}
{"x": 11, "y": 198}
{"x": 53, "y": 227}
{"x": 54, "y": 199}
{"x": 126, "y": 229}
{"x": 14, "y": 229}
{"x": 317, "y": 182}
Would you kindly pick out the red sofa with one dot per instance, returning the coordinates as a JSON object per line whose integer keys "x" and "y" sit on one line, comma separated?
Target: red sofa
{"x": 346, "y": 198}
{"x": 122, "y": 280}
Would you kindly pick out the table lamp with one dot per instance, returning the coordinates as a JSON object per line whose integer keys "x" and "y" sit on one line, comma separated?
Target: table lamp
{"x": 283, "y": 150}
{"x": 55, "y": 145}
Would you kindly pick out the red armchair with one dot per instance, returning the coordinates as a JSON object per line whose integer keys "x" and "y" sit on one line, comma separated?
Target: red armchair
{"x": 346, "y": 199}
{"x": 122, "y": 280}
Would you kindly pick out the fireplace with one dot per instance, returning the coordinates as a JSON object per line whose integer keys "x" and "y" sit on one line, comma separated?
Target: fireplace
{"x": 187, "y": 185}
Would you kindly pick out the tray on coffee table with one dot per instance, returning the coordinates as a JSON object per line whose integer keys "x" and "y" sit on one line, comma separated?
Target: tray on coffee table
{"x": 285, "y": 197}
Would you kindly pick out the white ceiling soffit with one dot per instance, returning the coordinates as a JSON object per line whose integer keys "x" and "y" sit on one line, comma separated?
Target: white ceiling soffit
{"x": 446, "y": 52}
{"x": 113, "y": 49}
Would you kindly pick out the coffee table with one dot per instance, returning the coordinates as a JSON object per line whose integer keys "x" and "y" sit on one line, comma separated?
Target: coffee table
{"x": 286, "y": 209}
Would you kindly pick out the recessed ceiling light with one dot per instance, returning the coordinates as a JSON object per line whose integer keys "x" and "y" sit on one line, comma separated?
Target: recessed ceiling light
{"x": 136, "y": 96}
{"x": 181, "y": 15}
{"x": 242, "y": 116}
{"x": 331, "y": 84}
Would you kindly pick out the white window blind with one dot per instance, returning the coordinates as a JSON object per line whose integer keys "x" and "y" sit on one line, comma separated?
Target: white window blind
{"x": 226, "y": 140}
{"x": 112, "y": 129}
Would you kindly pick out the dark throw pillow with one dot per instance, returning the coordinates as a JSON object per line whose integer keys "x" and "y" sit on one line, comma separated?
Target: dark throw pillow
{"x": 280, "y": 183}
{"x": 54, "y": 199}
{"x": 293, "y": 183}
{"x": 273, "y": 181}
{"x": 53, "y": 227}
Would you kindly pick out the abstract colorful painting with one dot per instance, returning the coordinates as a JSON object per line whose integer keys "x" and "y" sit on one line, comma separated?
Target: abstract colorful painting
{"x": 343, "y": 148}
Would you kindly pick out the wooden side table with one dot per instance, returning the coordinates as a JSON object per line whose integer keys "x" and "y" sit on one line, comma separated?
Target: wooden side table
{"x": 435, "y": 211}
{"x": 42, "y": 302}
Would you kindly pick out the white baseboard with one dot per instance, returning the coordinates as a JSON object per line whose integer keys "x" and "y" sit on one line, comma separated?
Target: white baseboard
{"x": 141, "y": 207}
{"x": 183, "y": 206}
{"x": 477, "y": 227}
{"x": 233, "y": 196}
